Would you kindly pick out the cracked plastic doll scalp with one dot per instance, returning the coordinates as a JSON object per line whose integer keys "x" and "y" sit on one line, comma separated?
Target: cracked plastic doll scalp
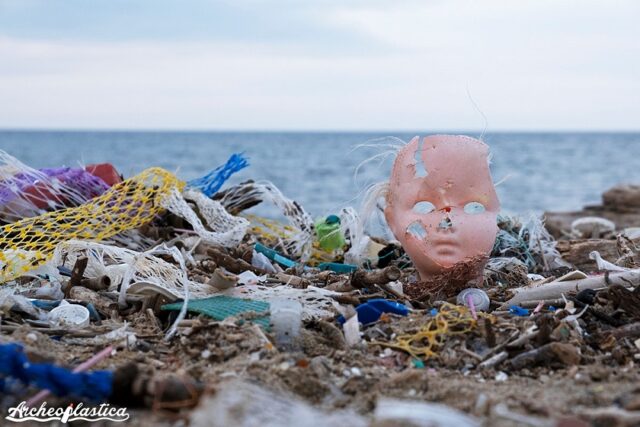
{"x": 442, "y": 204}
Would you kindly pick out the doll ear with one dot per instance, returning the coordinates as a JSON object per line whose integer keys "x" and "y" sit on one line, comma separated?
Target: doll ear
{"x": 409, "y": 163}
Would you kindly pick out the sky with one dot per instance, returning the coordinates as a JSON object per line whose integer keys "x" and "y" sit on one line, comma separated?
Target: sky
{"x": 363, "y": 65}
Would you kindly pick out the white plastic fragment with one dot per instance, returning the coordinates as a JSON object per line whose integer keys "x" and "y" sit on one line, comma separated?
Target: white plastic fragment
{"x": 286, "y": 318}
{"x": 241, "y": 404}
{"x": 604, "y": 265}
{"x": 420, "y": 414}
{"x": 250, "y": 278}
{"x": 261, "y": 261}
{"x": 351, "y": 330}
{"x": 592, "y": 226}
{"x": 316, "y": 302}
{"x": 69, "y": 315}
{"x": 222, "y": 279}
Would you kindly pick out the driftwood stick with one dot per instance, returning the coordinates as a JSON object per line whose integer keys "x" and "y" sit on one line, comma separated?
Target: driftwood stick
{"x": 556, "y": 289}
{"x": 232, "y": 264}
{"x": 101, "y": 283}
{"x": 492, "y": 362}
{"x": 76, "y": 274}
{"x": 565, "y": 353}
{"x": 364, "y": 278}
{"x": 628, "y": 331}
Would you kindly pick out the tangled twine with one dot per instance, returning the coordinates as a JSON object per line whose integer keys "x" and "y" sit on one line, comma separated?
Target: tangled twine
{"x": 450, "y": 320}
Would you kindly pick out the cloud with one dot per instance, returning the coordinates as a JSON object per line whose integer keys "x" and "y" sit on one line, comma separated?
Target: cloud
{"x": 361, "y": 66}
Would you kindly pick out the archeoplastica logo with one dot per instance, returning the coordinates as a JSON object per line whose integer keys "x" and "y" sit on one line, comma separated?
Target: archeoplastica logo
{"x": 102, "y": 412}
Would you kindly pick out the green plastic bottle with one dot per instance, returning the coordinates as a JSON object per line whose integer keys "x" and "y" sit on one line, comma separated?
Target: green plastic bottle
{"x": 329, "y": 234}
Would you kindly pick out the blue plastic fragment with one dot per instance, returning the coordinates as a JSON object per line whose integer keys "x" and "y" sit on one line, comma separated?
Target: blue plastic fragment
{"x": 518, "y": 311}
{"x": 433, "y": 311}
{"x": 45, "y": 304}
{"x": 552, "y": 308}
{"x": 64, "y": 271}
{"x": 211, "y": 182}
{"x": 15, "y": 366}
{"x": 371, "y": 310}
{"x": 274, "y": 255}
{"x": 337, "y": 267}
{"x": 93, "y": 313}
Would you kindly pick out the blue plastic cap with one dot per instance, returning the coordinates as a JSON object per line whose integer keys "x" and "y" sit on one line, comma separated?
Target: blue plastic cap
{"x": 332, "y": 219}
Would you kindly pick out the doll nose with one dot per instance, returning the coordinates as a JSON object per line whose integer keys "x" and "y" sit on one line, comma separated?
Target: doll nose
{"x": 446, "y": 223}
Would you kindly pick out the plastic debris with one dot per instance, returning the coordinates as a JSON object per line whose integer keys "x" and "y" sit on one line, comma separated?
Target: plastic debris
{"x": 96, "y": 386}
{"x": 337, "y": 267}
{"x": 592, "y": 227}
{"x": 274, "y": 256}
{"x": 286, "y": 318}
{"x": 176, "y": 280}
{"x": 450, "y": 320}
{"x": 221, "y": 307}
{"x": 243, "y": 404}
{"x": 479, "y": 298}
{"x": 329, "y": 233}
{"x": 420, "y": 414}
{"x": 30, "y": 242}
{"x": 518, "y": 311}
{"x": 299, "y": 242}
{"x": 213, "y": 181}
{"x": 604, "y": 265}
{"x": 69, "y": 315}
{"x": 371, "y": 311}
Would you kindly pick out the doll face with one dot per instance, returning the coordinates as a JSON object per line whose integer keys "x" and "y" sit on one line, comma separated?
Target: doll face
{"x": 442, "y": 205}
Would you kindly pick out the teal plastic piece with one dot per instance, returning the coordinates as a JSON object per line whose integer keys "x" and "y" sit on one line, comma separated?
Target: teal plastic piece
{"x": 220, "y": 307}
{"x": 274, "y": 255}
{"x": 337, "y": 267}
{"x": 417, "y": 363}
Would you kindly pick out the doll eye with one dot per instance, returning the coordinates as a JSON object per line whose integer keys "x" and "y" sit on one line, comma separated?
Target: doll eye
{"x": 474, "y": 208}
{"x": 423, "y": 207}
{"x": 417, "y": 230}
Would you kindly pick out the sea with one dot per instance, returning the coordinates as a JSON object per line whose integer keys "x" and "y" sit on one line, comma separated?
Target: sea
{"x": 325, "y": 171}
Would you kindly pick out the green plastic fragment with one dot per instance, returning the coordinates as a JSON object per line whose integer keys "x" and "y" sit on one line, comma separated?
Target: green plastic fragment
{"x": 220, "y": 307}
{"x": 329, "y": 234}
{"x": 417, "y": 363}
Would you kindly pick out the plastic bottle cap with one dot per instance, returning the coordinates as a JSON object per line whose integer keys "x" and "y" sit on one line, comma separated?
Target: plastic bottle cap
{"x": 332, "y": 219}
{"x": 72, "y": 315}
{"x": 479, "y": 298}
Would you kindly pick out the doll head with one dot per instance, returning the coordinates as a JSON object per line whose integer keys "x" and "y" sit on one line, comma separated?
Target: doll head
{"x": 441, "y": 203}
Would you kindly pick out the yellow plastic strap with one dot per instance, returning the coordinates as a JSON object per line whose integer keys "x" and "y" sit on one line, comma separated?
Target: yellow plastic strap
{"x": 450, "y": 320}
{"x": 29, "y": 243}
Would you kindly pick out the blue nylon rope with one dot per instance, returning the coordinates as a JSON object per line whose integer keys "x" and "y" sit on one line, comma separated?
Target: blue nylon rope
{"x": 60, "y": 381}
{"x": 211, "y": 182}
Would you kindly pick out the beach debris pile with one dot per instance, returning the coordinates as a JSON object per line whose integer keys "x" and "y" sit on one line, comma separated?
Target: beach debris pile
{"x": 173, "y": 299}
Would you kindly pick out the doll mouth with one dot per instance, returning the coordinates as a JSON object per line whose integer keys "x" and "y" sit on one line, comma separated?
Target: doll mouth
{"x": 445, "y": 247}
{"x": 446, "y": 250}
{"x": 444, "y": 243}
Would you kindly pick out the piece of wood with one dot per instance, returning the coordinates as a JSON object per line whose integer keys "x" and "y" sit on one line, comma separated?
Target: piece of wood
{"x": 564, "y": 353}
{"x": 76, "y": 274}
{"x": 232, "y": 264}
{"x": 556, "y": 289}
{"x": 363, "y": 278}
{"x": 101, "y": 283}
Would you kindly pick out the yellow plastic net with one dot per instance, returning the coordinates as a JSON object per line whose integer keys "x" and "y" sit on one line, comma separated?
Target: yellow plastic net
{"x": 27, "y": 244}
{"x": 450, "y": 320}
